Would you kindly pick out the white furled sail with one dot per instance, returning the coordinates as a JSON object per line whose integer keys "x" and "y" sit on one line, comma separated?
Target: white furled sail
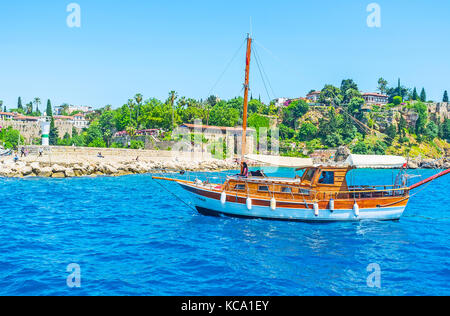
{"x": 376, "y": 161}
{"x": 281, "y": 161}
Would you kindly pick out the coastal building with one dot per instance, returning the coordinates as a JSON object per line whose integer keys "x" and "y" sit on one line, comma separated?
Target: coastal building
{"x": 231, "y": 135}
{"x": 7, "y": 115}
{"x": 69, "y": 109}
{"x": 373, "y": 98}
{"x": 80, "y": 121}
{"x": 313, "y": 96}
{"x": 279, "y": 102}
{"x": 24, "y": 118}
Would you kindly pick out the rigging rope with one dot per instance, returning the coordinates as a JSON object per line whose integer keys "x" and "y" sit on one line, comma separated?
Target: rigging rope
{"x": 226, "y": 68}
{"x": 264, "y": 72}
{"x": 260, "y": 72}
{"x": 176, "y": 196}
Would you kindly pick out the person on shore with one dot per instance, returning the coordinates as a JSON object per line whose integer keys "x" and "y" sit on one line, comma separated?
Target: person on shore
{"x": 99, "y": 155}
{"x": 41, "y": 151}
{"x": 16, "y": 157}
{"x": 22, "y": 152}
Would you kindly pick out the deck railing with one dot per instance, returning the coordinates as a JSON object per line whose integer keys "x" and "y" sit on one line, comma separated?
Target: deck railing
{"x": 219, "y": 181}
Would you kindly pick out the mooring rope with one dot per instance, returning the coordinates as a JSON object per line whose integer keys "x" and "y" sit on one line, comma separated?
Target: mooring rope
{"x": 176, "y": 196}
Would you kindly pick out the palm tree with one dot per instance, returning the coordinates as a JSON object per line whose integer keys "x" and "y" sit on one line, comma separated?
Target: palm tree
{"x": 131, "y": 107}
{"x": 29, "y": 108}
{"x": 138, "y": 97}
{"x": 37, "y": 102}
{"x": 173, "y": 95}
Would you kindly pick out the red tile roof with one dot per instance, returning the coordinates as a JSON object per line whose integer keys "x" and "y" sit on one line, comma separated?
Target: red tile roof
{"x": 222, "y": 128}
{"x": 28, "y": 118}
{"x": 374, "y": 94}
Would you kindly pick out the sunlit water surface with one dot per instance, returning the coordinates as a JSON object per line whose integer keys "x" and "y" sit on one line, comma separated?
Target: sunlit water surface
{"x": 130, "y": 237}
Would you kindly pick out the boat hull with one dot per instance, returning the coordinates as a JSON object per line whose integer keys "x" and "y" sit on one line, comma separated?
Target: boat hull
{"x": 212, "y": 205}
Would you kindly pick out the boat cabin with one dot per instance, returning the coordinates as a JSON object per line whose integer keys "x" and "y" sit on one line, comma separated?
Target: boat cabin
{"x": 328, "y": 179}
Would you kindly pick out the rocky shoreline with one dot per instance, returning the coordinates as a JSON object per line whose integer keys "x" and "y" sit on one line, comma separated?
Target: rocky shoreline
{"x": 11, "y": 169}
{"x": 83, "y": 167}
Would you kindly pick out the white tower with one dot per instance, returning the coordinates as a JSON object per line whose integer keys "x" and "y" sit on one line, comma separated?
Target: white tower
{"x": 45, "y": 126}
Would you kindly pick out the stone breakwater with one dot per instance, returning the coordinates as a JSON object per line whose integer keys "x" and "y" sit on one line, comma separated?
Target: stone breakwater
{"x": 20, "y": 169}
{"x": 418, "y": 163}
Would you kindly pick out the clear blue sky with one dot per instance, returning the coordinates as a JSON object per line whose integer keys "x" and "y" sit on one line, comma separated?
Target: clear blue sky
{"x": 152, "y": 47}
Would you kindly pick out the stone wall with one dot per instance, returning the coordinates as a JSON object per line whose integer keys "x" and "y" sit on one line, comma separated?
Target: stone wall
{"x": 29, "y": 130}
{"x": 32, "y": 130}
{"x": 88, "y": 153}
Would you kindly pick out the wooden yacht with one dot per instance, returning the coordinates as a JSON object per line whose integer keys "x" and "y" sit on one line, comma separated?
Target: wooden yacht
{"x": 319, "y": 194}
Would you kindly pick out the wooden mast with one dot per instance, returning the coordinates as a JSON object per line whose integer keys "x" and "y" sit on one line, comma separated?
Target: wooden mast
{"x": 246, "y": 87}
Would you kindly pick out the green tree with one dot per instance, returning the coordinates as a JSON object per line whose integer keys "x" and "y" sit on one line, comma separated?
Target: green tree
{"x": 397, "y": 100}
{"x": 445, "y": 98}
{"x": 10, "y": 138}
{"x": 402, "y": 125}
{"x": 415, "y": 95}
{"x": 19, "y": 104}
{"x": 423, "y": 95}
{"x": 224, "y": 115}
{"x": 54, "y": 134}
{"x": 94, "y": 137}
{"x": 29, "y": 108}
{"x": 360, "y": 148}
{"x": 446, "y": 129}
{"x": 349, "y": 90}
{"x": 431, "y": 131}
{"x": 330, "y": 95}
{"x": 391, "y": 132}
{"x": 382, "y": 85}
{"x": 138, "y": 98}
{"x": 355, "y": 105}
{"x": 49, "y": 110}
{"x": 106, "y": 125}
{"x": 37, "y": 102}
{"x": 307, "y": 131}
{"x": 211, "y": 100}
{"x": 422, "y": 111}
{"x": 293, "y": 112}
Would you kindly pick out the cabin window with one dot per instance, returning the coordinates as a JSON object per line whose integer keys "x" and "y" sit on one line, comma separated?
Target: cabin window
{"x": 327, "y": 177}
{"x": 263, "y": 188}
{"x": 305, "y": 191}
{"x": 240, "y": 187}
{"x": 286, "y": 190}
{"x": 310, "y": 174}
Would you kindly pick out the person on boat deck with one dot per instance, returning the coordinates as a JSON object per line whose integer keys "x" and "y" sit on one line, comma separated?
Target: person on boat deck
{"x": 244, "y": 170}
{"x": 327, "y": 177}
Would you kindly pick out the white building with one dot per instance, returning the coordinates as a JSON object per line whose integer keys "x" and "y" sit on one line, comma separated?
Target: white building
{"x": 313, "y": 96}
{"x": 80, "y": 121}
{"x": 280, "y": 102}
{"x": 375, "y": 98}
{"x": 72, "y": 108}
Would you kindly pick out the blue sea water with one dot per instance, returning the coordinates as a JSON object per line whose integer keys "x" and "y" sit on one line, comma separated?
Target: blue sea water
{"x": 131, "y": 238}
